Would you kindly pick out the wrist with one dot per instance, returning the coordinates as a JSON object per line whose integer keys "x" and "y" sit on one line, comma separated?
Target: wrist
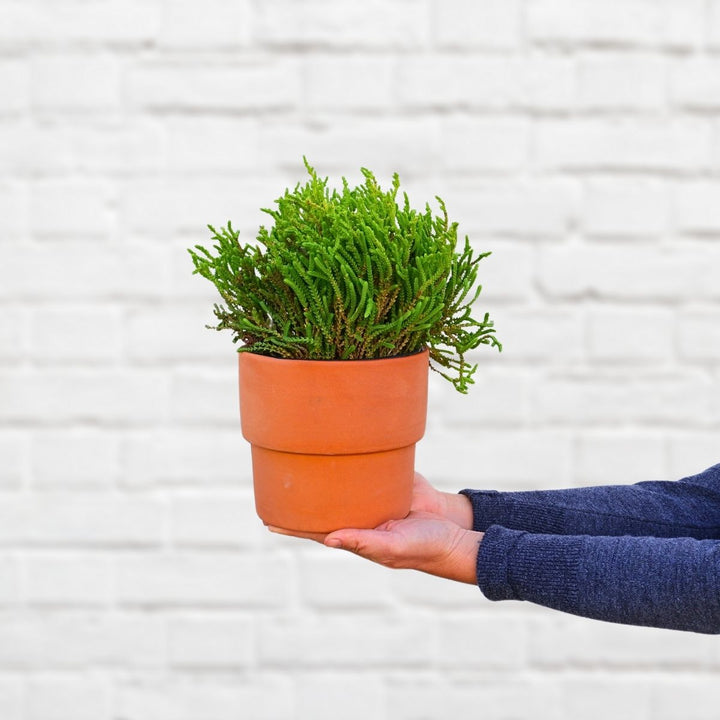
{"x": 467, "y": 557}
{"x": 459, "y": 562}
{"x": 459, "y": 510}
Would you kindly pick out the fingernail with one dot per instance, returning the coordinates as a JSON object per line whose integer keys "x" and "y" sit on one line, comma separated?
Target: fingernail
{"x": 333, "y": 542}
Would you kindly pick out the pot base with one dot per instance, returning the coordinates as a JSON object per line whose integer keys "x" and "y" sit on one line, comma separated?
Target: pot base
{"x": 322, "y": 493}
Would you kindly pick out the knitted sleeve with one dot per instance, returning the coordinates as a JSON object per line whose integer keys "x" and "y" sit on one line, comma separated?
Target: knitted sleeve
{"x": 685, "y": 508}
{"x": 643, "y": 554}
{"x": 660, "y": 582}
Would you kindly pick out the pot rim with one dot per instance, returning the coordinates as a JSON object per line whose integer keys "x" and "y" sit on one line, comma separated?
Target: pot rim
{"x": 422, "y": 350}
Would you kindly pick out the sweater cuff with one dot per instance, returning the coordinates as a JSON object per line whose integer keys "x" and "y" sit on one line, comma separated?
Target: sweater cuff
{"x": 510, "y": 510}
{"x": 517, "y": 565}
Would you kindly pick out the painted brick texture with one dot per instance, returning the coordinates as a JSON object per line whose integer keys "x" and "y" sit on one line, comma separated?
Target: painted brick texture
{"x": 578, "y": 140}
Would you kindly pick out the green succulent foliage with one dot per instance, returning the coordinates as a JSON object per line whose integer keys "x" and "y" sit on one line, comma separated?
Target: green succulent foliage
{"x": 349, "y": 275}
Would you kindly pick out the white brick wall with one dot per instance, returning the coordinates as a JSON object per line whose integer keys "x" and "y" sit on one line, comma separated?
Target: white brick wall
{"x": 578, "y": 140}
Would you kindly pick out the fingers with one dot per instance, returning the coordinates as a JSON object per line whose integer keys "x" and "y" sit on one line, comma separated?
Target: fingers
{"x": 368, "y": 543}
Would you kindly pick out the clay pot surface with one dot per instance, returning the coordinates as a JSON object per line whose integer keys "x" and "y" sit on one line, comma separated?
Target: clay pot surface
{"x": 333, "y": 442}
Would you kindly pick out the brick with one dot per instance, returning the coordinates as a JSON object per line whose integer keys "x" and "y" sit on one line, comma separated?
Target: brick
{"x": 12, "y": 698}
{"x": 187, "y": 457}
{"x": 608, "y": 645}
{"x": 621, "y": 208}
{"x": 89, "y": 271}
{"x": 507, "y": 393}
{"x": 691, "y": 452}
{"x": 469, "y": 25}
{"x": 15, "y": 452}
{"x": 331, "y": 581}
{"x": 487, "y": 145}
{"x": 665, "y": 24}
{"x": 204, "y": 397}
{"x": 82, "y": 395}
{"x": 81, "y": 519}
{"x": 542, "y": 336}
{"x": 593, "y": 696}
{"x": 631, "y": 145}
{"x": 407, "y": 146}
{"x": 456, "y": 81}
{"x": 74, "y": 458}
{"x": 629, "y": 273}
{"x": 188, "y": 204}
{"x": 343, "y": 84}
{"x": 218, "y": 24}
{"x": 612, "y": 82}
{"x": 345, "y": 641}
{"x": 616, "y": 458}
{"x": 549, "y": 84}
{"x": 75, "y": 334}
{"x": 427, "y": 591}
{"x": 501, "y": 696}
{"x": 127, "y": 23}
{"x": 183, "y": 86}
{"x": 68, "y": 697}
{"x": 507, "y": 636}
{"x": 331, "y": 24}
{"x": 263, "y": 697}
{"x": 14, "y": 211}
{"x": 666, "y": 700}
{"x": 212, "y": 144}
{"x": 215, "y": 519}
{"x": 208, "y": 642}
{"x": 15, "y": 82}
{"x": 696, "y": 208}
{"x": 78, "y": 84}
{"x": 667, "y": 399}
{"x": 13, "y": 334}
{"x": 95, "y": 519}
{"x": 29, "y": 149}
{"x": 511, "y": 209}
{"x": 324, "y": 696}
{"x": 84, "y": 640}
{"x": 713, "y": 22}
{"x": 21, "y": 24}
{"x": 699, "y": 336}
{"x": 694, "y": 83}
{"x": 67, "y": 579}
{"x": 10, "y": 580}
{"x": 201, "y": 580}
{"x": 155, "y": 334}
{"x": 71, "y": 208}
{"x": 497, "y": 459}
{"x": 506, "y": 276}
{"x": 631, "y": 336}
{"x": 128, "y": 147}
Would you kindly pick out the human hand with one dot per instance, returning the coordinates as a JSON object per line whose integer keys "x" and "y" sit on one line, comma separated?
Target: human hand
{"x": 451, "y": 506}
{"x": 421, "y": 541}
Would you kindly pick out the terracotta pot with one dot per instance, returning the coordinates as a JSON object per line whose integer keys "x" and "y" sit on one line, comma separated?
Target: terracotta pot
{"x": 333, "y": 442}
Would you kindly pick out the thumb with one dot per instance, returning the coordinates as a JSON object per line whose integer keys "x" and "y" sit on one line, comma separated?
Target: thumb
{"x": 341, "y": 539}
{"x": 357, "y": 541}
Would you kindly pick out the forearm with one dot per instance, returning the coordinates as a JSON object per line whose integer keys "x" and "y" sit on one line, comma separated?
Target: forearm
{"x": 686, "y": 508}
{"x": 660, "y": 582}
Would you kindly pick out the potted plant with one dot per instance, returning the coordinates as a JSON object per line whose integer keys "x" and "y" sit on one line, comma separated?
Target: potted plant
{"x": 340, "y": 308}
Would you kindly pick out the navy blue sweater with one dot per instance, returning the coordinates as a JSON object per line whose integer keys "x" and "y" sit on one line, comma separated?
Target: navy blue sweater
{"x": 643, "y": 554}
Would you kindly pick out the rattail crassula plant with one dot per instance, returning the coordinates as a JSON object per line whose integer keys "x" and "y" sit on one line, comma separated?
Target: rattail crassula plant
{"x": 350, "y": 274}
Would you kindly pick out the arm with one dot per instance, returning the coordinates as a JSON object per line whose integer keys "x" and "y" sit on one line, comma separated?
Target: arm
{"x": 660, "y": 582}
{"x": 687, "y": 508}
